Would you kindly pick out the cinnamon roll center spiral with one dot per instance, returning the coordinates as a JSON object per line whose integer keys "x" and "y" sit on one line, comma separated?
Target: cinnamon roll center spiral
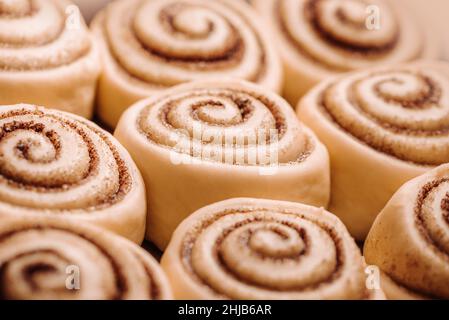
{"x": 274, "y": 240}
{"x": 27, "y": 147}
{"x": 401, "y": 112}
{"x": 32, "y": 264}
{"x": 223, "y": 123}
{"x": 50, "y": 161}
{"x": 289, "y": 253}
{"x": 51, "y": 261}
{"x": 192, "y": 32}
{"x": 184, "y": 40}
{"x": 34, "y": 36}
{"x": 263, "y": 252}
{"x": 344, "y": 24}
{"x": 341, "y": 35}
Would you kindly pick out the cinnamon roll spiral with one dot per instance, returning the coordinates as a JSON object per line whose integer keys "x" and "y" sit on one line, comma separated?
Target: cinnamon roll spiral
{"x": 264, "y": 249}
{"x": 321, "y": 38}
{"x": 56, "y": 164}
{"x": 201, "y": 142}
{"x": 410, "y": 239}
{"x": 382, "y": 127}
{"x": 47, "y": 56}
{"x": 151, "y": 45}
{"x": 54, "y": 259}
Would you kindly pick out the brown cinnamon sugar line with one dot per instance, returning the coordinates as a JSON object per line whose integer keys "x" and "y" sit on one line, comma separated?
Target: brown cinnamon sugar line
{"x": 445, "y": 208}
{"x": 424, "y": 193}
{"x": 192, "y": 236}
{"x": 154, "y": 290}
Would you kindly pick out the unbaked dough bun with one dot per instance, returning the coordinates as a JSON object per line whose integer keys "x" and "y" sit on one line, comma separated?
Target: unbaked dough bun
{"x": 46, "y": 258}
{"x": 203, "y": 142}
{"x": 409, "y": 241}
{"x": 57, "y": 164}
{"x": 264, "y": 249}
{"x": 47, "y": 56}
{"x": 382, "y": 127}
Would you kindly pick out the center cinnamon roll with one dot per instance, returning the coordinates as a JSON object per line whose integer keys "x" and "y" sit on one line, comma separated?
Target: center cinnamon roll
{"x": 155, "y": 44}
{"x": 262, "y": 249}
{"x": 56, "y": 163}
{"x": 245, "y": 139}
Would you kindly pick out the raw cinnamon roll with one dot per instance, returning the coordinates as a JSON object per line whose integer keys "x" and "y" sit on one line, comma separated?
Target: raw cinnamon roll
{"x": 56, "y": 164}
{"x": 151, "y": 45}
{"x": 53, "y": 259}
{"x": 321, "y": 38}
{"x": 382, "y": 128}
{"x": 410, "y": 239}
{"x": 204, "y": 142}
{"x": 47, "y": 56}
{"x": 264, "y": 249}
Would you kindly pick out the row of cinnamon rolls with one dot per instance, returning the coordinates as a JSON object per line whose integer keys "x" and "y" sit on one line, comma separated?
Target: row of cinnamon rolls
{"x": 243, "y": 241}
{"x": 137, "y": 48}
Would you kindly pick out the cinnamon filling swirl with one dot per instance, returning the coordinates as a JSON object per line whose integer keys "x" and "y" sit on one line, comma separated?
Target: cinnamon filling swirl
{"x": 431, "y": 216}
{"x": 336, "y": 34}
{"x": 222, "y": 122}
{"x": 410, "y": 239}
{"x": 351, "y": 16}
{"x": 36, "y": 264}
{"x": 291, "y": 244}
{"x": 261, "y": 249}
{"x": 34, "y": 261}
{"x": 445, "y": 207}
{"x": 400, "y": 112}
{"x": 187, "y": 40}
{"x": 34, "y": 36}
{"x": 51, "y": 161}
